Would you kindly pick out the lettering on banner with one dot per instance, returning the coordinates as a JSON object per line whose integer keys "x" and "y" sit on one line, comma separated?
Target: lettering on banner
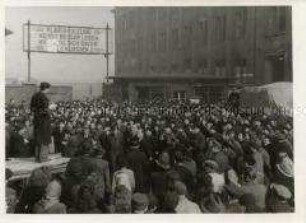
{"x": 66, "y": 39}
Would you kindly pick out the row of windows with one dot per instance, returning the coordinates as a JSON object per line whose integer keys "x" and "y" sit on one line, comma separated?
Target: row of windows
{"x": 180, "y": 38}
{"x": 218, "y": 28}
{"x": 276, "y": 19}
{"x": 218, "y": 67}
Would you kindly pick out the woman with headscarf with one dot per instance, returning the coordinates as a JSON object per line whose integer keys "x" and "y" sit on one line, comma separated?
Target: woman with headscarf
{"x": 51, "y": 204}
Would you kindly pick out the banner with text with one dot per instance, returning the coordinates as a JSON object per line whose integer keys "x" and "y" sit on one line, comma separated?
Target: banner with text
{"x": 66, "y": 39}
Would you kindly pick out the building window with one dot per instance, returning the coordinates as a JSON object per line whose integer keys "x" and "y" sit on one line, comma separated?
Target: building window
{"x": 174, "y": 15}
{"x": 187, "y": 36}
{"x": 175, "y": 39}
{"x": 140, "y": 66}
{"x": 153, "y": 43}
{"x": 204, "y": 31}
{"x": 271, "y": 21}
{"x": 162, "y": 14}
{"x": 202, "y": 66}
{"x": 240, "y": 23}
{"x": 220, "y": 28}
{"x": 124, "y": 24}
{"x": 220, "y": 68}
{"x": 282, "y": 19}
{"x": 133, "y": 46}
{"x": 180, "y": 95}
{"x": 187, "y": 64}
{"x": 140, "y": 44}
{"x": 155, "y": 14}
{"x": 240, "y": 68}
{"x": 174, "y": 67}
{"x": 162, "y": 42}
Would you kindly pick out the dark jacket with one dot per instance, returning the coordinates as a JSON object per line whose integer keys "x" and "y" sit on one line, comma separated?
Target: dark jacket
{"x": 101, "y": 168}
{"x": 139, "y": 163}
{"x": 42, "y": 119}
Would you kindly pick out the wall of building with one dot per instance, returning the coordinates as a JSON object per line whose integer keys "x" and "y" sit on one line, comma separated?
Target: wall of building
{"x": 60, "y": 93}
{"x": 233, "y": 42}
{"x": 23, "y": 92}
{"x": 19, "y": 93}
{"x": 86, "y": 90}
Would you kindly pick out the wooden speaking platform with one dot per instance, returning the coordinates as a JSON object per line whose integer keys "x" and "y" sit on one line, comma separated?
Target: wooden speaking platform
{"x": 23, "y": 167}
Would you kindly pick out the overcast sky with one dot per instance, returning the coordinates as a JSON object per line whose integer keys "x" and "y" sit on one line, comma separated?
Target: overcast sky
{"x": 55, "y": 67}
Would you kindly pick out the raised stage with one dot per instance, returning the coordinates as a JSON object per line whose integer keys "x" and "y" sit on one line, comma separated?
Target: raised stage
{"x": 22, "y": 167}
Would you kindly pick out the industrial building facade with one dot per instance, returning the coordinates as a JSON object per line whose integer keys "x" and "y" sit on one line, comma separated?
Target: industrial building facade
{"x": 182, "y": 52}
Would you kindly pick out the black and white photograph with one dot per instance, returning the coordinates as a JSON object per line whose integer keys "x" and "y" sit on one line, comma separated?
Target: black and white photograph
{"x": 149, "y": 110}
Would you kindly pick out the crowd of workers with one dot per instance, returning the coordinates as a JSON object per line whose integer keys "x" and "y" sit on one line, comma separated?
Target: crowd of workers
{"x": 156, "y": 157}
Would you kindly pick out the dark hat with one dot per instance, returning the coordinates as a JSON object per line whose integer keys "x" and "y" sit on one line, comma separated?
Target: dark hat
{"x": 134, "y": 143}
{"x": 249, "y": 201}
{"x": 40, "y": 177}
{"x": 171, "y": 200}
{"x": 140, "y": 201}
{"x": 99, "y": 150}
{"x": 85, "y": 148}
{"x": 279, "y": 137}
{"x": 212, "y": 164}
{"x": 173, "y": 175}
{"x": 44, "y": 85}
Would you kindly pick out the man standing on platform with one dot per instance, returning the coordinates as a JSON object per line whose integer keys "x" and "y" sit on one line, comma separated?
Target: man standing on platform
{"x": 42, "y": 122}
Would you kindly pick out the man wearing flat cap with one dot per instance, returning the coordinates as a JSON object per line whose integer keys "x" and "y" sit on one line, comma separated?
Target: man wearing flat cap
{"x": 42, "y": 122}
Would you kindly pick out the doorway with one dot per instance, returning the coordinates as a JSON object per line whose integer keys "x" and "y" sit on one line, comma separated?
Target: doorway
{"x": 275, "y": 68}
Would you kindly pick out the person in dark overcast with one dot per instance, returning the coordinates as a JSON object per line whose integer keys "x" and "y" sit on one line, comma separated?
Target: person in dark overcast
{"x": 42, "y": 122}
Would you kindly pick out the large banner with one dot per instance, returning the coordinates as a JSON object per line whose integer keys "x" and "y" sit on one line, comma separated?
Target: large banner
{"x": 65, "y": 39}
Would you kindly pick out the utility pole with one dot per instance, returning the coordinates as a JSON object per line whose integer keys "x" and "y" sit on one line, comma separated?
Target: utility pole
{"x": 29, "y": 51}
{"x": 255, "y": 46}
{"x": 107, "y": 53}
{"x": 107, "y": 62}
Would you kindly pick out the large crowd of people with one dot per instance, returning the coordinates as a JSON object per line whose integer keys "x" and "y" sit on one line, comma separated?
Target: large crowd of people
{"x": 156, "y": 157}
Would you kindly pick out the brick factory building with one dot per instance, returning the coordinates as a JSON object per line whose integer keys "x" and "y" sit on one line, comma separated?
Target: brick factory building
{"x": 183, "y": 52}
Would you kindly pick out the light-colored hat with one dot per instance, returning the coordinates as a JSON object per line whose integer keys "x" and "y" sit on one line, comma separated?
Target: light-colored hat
{"x": 281, "y": 191}
{"x": 286, "y": 167}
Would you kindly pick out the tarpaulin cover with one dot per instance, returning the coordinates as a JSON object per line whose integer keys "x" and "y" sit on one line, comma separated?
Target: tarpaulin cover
{"x": 273, "y": 96}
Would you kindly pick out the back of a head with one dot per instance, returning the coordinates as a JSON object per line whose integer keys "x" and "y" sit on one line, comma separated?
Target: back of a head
{"x": 170, "y": 202}
{"x": 248, "y": 200}
{"x": 180, "y": 188}
{"x": 54, "y": 189}
{"x": 140, "y": 202}
{"x": 85, "y": 148}
{"x": 44, "y": 85}
{"x": 121, "y": 161}
{"x": 40, "y": 177}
